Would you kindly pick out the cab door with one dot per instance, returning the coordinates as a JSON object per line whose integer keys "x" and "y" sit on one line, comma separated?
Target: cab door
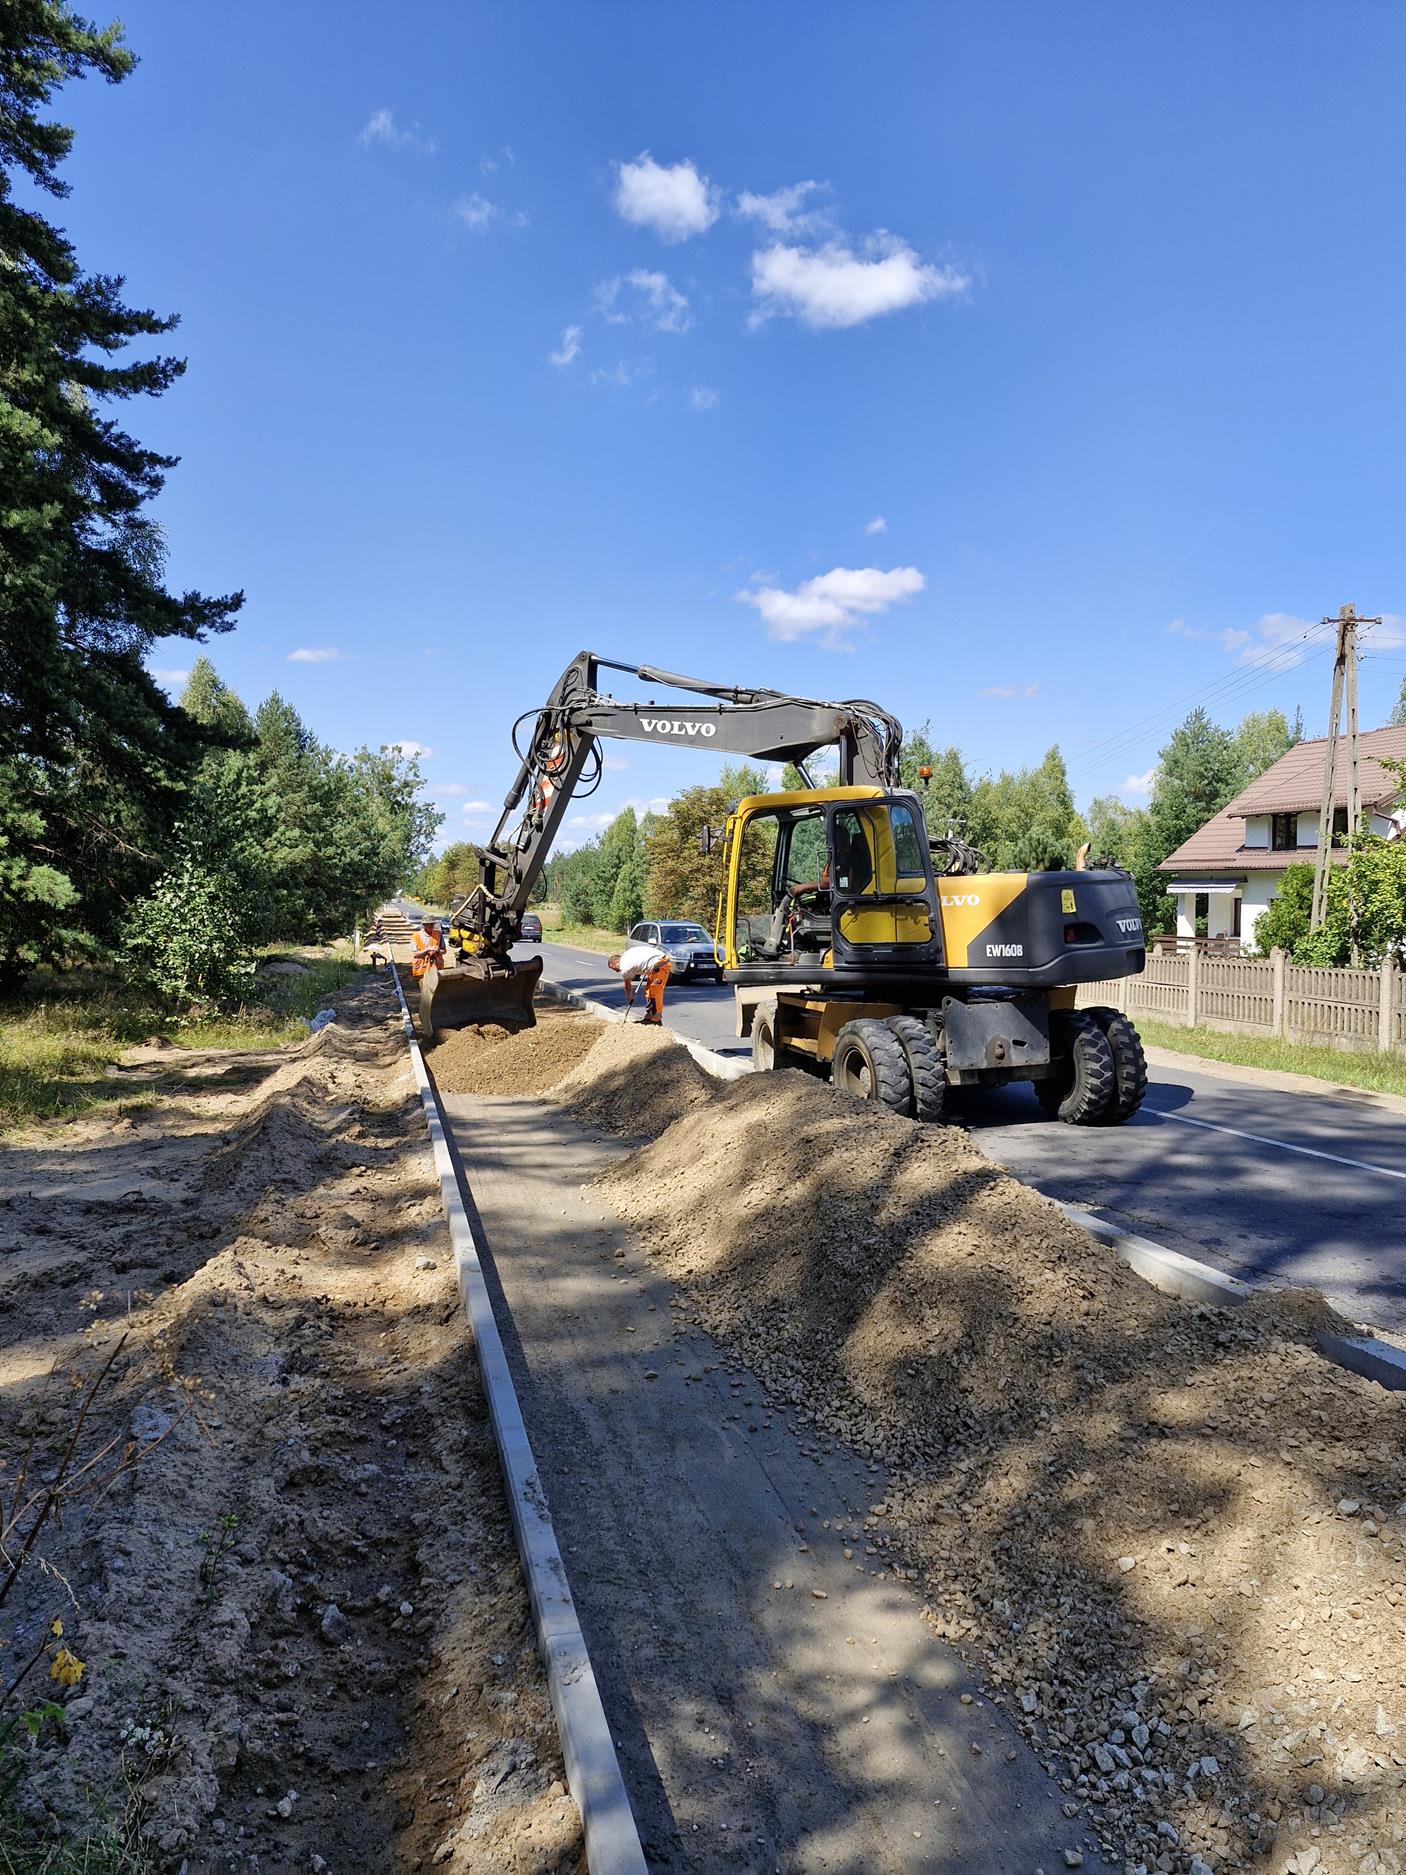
{"x": 884, "y": 902}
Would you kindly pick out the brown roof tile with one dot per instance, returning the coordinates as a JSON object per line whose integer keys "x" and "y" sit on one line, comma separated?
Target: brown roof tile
{"x": 1294, "y": 785}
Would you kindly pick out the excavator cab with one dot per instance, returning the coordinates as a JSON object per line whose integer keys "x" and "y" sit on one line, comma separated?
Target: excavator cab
{"x": 831, "y": 885}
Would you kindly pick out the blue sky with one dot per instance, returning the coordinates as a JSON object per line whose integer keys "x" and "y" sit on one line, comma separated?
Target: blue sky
{"x": 1071, "y": 388}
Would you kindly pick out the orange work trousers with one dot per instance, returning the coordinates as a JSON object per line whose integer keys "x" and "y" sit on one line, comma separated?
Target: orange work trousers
{"x": 654, "y": 982}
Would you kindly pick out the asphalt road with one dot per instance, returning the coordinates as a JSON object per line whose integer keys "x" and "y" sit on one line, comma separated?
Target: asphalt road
{"x": 1262, "y": 1183}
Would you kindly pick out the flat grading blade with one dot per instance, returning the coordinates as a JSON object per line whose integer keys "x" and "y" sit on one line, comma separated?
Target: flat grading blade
{"x": 479, "y": 992}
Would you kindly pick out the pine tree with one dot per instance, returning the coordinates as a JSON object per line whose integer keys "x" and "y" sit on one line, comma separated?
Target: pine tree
{"x": 97, "y": 753}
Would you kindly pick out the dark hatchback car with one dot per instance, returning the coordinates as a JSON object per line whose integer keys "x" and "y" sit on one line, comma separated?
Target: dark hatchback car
{"x": 531, "y": 928}
{"x": 689, "y": 948}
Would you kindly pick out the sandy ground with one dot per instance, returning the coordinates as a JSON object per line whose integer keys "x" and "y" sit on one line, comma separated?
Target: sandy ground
{"x": 1173, "y": 1539}
{"x": 305, "y": 1593}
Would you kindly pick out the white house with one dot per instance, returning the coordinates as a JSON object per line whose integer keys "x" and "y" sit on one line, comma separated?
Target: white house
{"x": 1238, "y": 859}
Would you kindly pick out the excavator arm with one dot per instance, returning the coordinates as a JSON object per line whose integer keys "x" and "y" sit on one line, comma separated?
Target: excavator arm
{"x": 559, "y": 754}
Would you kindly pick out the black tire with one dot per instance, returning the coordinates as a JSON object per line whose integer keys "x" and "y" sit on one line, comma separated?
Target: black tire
{"x": 764, "y": 1050}
{"x": 1129, "y": 1065}
{"x": 925, "y": 1067}
{"x": 869, "y": 1063}
{"x": 1081, "y": 1090}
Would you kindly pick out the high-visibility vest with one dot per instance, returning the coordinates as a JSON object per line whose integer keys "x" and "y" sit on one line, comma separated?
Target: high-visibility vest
{"x": 428, "y": 950}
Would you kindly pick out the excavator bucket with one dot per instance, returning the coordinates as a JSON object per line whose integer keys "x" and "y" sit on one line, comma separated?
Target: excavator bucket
{"x": 479, "y": 992}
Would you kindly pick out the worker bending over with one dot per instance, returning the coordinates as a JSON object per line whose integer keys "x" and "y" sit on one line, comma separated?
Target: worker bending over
{"x": 647, "y": 964}
{"x": 429, "y": 948}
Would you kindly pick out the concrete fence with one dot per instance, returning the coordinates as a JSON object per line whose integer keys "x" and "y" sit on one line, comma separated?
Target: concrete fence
{"x": 1352, "y": 1009}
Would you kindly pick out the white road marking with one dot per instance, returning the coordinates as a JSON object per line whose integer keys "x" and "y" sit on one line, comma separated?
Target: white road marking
{"x": 1260, "y": 1139}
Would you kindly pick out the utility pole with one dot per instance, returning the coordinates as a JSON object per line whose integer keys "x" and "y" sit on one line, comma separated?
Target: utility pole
{"x": 1344, "y": 701}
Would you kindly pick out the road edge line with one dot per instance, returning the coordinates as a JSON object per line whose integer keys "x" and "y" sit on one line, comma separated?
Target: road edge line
{"x": 593, "y": 1771}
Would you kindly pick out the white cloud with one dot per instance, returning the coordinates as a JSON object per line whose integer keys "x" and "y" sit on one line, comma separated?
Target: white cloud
{"x": 784, "y": 210}
{"x": 569, "y": 348}
{"x": 701, "y": 398}
{"x": 616, "y": 763}
{"x": 171, "y": 679}
{"x": 602, "y": 819}
{"x": 831, "y": 287}
{"x": 1139, "y": 784}
{"x": 478, "y": 214}
{"x": 617, "y": 379}
{"x": 1009, "y": 690}
{"x": 380, "y": 127}
{"x": 450, "y": 787}
{"x": 1230, "y": 640}
{"x": 673, "y": 199}
{"x": 877, "y": 526}
{"x": 477, "y": 809}
{"x": 320, "y": 654}
{"x": 408, "y": 749}
{"x": 833, "y": 603}
{"x": 655, "y": 302}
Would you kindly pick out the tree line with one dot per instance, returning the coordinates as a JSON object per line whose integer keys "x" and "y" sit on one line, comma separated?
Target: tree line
{"x": 174, "y": 835}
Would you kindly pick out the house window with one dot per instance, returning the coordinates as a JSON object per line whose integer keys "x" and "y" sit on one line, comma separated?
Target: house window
{"x": 1284, "y": 832}
{"x": 1339, "y": 824}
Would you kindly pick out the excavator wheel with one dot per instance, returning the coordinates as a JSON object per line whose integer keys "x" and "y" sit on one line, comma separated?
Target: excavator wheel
{"x": 870, "y": 1063}
{"x": 925, "y": 1067}
{"x": 1129, "y": 1065}
{"x": 1082, "y": 1091}
{"x": 764, "y": 1049}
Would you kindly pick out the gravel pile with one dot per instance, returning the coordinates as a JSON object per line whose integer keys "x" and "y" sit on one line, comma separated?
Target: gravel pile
{"x": 488, "y": 1058}
{"x": 1173, "y": 1537}
{"x": 634, "y": 1082}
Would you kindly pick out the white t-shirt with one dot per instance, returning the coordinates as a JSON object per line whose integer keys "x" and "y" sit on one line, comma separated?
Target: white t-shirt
{"x": 639, "y": 958}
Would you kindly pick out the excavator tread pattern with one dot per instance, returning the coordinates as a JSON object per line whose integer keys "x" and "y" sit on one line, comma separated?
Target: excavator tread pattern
{"x": 926, "y": 1069}
{"x": 880, "y": 1056}
{"x": 1129, "y": 1065}
{"x": 1084, "y": 1092}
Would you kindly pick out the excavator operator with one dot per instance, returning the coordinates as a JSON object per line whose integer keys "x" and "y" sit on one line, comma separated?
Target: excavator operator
{"x": 648, "y": 963}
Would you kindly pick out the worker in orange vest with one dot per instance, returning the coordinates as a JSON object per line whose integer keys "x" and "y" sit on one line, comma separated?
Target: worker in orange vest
{"x": 429, "y": 948}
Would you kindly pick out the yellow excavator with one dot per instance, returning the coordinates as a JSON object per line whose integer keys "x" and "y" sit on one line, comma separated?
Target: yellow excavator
{"x": 859, "y": 945}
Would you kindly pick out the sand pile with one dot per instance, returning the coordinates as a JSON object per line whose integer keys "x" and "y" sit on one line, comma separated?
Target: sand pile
{"x": 308, "y": 1589}
{"x": 489, "y": 1058}
{"x": 634, "y": 1082}
{"x": 1174, "y": 1537}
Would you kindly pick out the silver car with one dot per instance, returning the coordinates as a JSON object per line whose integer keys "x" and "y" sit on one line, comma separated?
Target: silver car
{"x": 687, "y": 946}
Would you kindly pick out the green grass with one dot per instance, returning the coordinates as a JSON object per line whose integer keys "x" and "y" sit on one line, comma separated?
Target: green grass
{"x": 586, "y": 937}
{"x": 65, "y": 1029}
{"x": 1384, "y": 1074}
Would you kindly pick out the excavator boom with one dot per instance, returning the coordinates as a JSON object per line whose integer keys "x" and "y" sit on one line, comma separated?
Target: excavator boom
{"x": 558, "y": 750}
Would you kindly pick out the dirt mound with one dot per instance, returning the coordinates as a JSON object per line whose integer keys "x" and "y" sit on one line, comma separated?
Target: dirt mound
{"x": 304, "y": 1635}
{"x": 488, "y": 1058}
{"x": 1173, "y": 1536}
{"x": 634, "y": 1082}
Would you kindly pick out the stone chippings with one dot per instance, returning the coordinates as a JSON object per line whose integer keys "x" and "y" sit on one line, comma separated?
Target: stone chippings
{"x": 1173, "y": 1538}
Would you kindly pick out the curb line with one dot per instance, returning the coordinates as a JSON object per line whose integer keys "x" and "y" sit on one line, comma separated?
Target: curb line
{"x": 592, "y": 1768}
{"x": 1168, "y": 1270}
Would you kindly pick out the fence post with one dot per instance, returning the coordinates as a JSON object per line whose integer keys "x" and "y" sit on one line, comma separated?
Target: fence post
{"x": 1388, "y": 1004}
{"x": 1276, "y": 958}
{"x": 1193, "y": 987}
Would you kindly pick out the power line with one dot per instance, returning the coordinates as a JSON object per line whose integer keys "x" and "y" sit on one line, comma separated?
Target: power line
{"x": 1273, "y": 662}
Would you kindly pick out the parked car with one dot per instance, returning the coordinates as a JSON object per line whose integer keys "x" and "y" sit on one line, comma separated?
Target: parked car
{"x": 688, "y": 947}
{"x": 531, "y": 931}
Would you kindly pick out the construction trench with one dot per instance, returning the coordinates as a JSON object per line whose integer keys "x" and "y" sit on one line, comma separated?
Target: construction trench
{"x": 906, "y": 1527}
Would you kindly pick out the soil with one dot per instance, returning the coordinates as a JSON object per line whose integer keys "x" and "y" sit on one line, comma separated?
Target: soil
{"x": 491, "y": 1058}
{"x": 302, "y": 1584}
{"x": 1173, "y": 1538}
{"x": 634, "y": 1082}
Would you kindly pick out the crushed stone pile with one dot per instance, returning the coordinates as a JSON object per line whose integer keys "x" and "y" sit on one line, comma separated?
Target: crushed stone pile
{"x": 488, "y": 1058}
{"x": 634, "y": 1083}
{"x": 1173, "y": 1537}
{"x": 305, "y": 1638}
